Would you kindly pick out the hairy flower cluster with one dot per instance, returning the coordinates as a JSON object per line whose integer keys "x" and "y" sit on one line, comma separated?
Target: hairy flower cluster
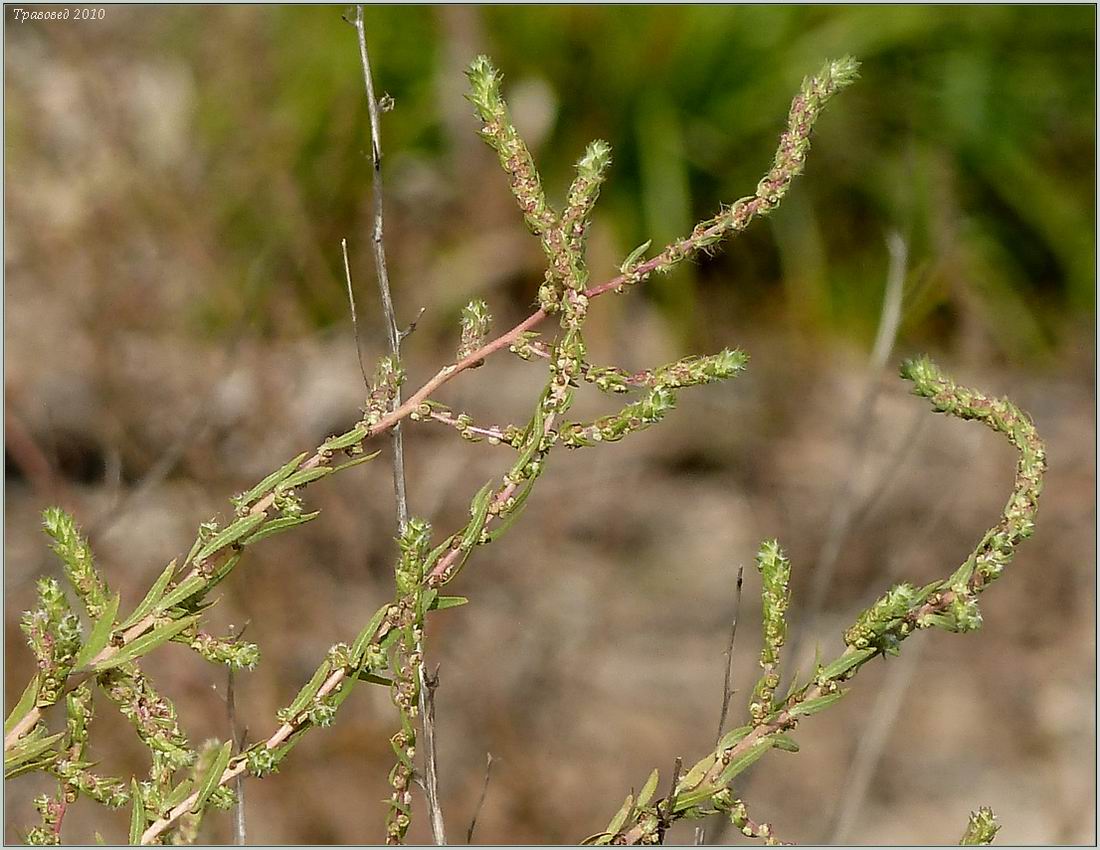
{"x": 503, "y": 137}
{"x": 1018, "y": 518}
{"x": 405, "y": 663}
{"x": 790, "y": 157}
{"x": 53, "y": 633}
{"x": 775, "y": 570}
{"x": 153, "y": 716}
{"x": 77, "y": 560}
{"x": 584, "y": 192}
{"x": 634, "y": 417}
{"x": 237, "y": 654}
{"x": 883, "y": 625}
{"x": 388, "y": 379}
{"x": 475, "y": 327}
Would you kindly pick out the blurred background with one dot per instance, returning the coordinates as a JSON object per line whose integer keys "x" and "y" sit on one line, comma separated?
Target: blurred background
{"x": 178, "y": 180}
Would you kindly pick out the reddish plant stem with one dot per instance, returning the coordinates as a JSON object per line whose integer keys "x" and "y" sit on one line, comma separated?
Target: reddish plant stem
{"x": 492, "y": 432}
{"x": 62, "y": 807}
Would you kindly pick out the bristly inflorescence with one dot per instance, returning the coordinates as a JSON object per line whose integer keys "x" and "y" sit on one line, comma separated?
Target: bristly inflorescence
{"x": 790, "y": 159}
{"x": 503, "y": 137}
{"x": 74, "y": 658}
{"x": 775, "y": 571}
{"x": 949, "y": 604}
{"x": 407, "y": 619}
{"x": 981, "y": 829}
{"x": 475, "y": 327}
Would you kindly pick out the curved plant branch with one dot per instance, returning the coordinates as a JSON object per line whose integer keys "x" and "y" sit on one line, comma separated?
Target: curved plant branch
{"x": 950, "y": 604}
{"x": 108, "y": 650}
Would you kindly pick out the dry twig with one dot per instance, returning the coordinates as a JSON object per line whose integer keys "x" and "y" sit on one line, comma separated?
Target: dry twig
{"x": 427, "y": 713}
{"x": 481, "y": 798}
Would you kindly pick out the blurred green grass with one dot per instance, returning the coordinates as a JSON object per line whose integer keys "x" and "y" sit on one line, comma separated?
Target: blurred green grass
{"x": 971, "y": 133}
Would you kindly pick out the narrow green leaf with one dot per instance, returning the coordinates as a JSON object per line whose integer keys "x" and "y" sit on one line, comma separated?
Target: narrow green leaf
{"x": 785, "y": 743}
{"x": 277, "y": 525}
{"x": 178, "y": 794}
{"x": 357, "y": 461}
{"x": 153, "y": 596}
{"x": 444, "y": 602}
{"x": 194, "y": 550}
{"x": 100, "y": 634}
{"x": 342, "y": 692}
{"x": 633, "y": 257}
{"x": 213, "y": 776}
{"x": 305, "y": 476}
{"x": 646, "y": 794}
{"x": 532, "y": 438}
{"x": 146, "y": 643}
{"x": 230, "y": 534}
{"x": 25, "y": 704}
{"x": 276, "y": 477}
{"x": 220, "y": 575}
{"x": 743, "y": 761}
{"x": 928, "y": 590}
{"x": 27, "y": 749}
{"x": 437, "y": 552}
{"x": 309, "y": 690}
{"x": 367, "y": 634}
{"x": 188, "y": 587}
{"x": 389, "y": 639}
{"x": 355, "y": 435}
{"x": 137, "y": 814}
{"x": 733, "y": 736}
{"x": 374, "y": 678}
{"x": 479, "y": 510}
{"x": 620, "y": 817}
{"x": 962, "y": 574}
{"x": 846, "y": 662}
{"x": 513, "y": 513}
{"x": 813, "y": 706}
{"x": 694, "y": 776}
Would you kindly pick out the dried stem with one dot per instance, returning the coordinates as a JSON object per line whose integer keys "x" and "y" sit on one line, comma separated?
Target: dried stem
{"x": 354, "y": 317}
{"x": 481, "y": 798}
{"x": 727, "y": 690}
{"x": 431, "y": 783}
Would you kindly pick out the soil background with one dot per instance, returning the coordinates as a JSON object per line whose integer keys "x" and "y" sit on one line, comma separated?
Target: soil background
{"x": 176, "y": 327}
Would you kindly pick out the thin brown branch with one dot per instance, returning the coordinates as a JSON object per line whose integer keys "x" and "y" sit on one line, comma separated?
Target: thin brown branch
{"x": 481, "y": 798}
{"x": 427, "y": 713}
{"x": 727, "y": 690}
{"x": 493, "y": 433}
